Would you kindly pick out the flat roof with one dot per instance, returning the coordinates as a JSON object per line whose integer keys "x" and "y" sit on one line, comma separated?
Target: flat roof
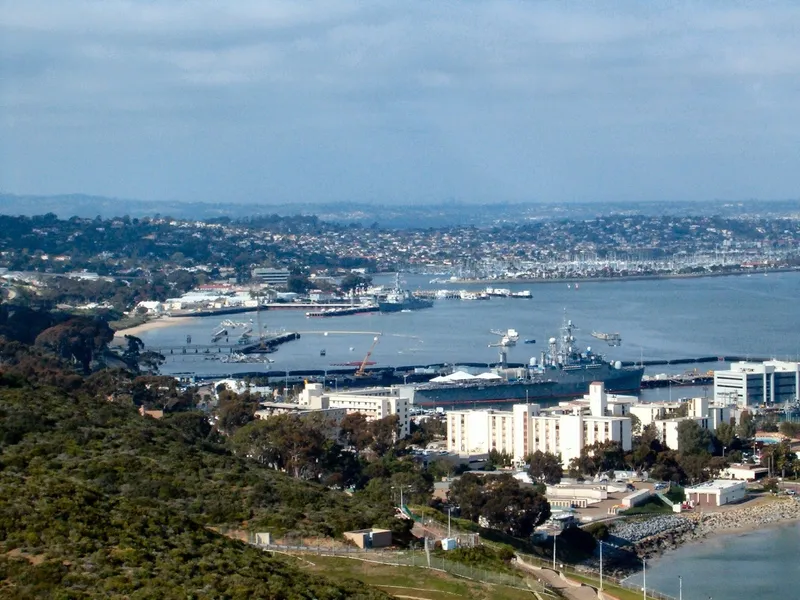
{"x": 714, "y": 486}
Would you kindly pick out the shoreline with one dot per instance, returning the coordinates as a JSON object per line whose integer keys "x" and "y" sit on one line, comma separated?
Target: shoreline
{"x": 151, "y": 325}
{"x": 540, "y": 280}
{"x": 697, "y": 528}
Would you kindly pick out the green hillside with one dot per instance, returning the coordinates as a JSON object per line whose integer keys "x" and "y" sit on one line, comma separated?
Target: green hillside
{"x": 97, "y": 501}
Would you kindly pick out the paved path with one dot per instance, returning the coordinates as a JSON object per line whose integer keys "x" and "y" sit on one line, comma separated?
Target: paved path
{"x": 554, "y": 581}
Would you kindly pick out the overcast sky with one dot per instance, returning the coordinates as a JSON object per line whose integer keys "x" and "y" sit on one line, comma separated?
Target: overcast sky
{"x": 401, "y": 101}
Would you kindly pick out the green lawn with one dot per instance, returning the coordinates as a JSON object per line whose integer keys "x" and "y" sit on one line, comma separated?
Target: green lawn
{"x": 410, "y": 581}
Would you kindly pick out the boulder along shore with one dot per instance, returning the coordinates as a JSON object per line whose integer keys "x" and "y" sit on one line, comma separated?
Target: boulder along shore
{"x": 650, "y": 538}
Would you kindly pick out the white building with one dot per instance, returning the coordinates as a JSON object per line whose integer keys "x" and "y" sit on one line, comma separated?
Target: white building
{"x": 706, "y": 415}
{"x": 716, "y": 493}
{"x": 755, "y": 384}
{"x": 373, "y": 403}
{"x": 271, "y": 276}
{"x": 524, "y": 429}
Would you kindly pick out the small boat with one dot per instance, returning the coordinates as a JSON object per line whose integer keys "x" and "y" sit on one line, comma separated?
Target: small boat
{"x": 529, "y": 342}
{"x": 322, "y": 352}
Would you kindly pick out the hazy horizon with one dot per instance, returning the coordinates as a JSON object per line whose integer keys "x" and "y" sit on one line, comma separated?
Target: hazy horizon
{"x": 389, "y": 103}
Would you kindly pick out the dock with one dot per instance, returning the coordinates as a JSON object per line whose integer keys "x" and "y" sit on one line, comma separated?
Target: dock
{"x": 269, "y": 343}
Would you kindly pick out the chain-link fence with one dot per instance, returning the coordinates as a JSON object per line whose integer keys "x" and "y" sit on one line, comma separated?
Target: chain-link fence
{"x": 415, "y": 558}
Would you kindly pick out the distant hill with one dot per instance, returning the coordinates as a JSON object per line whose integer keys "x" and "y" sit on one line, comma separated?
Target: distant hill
{"x": 98, "y": 502}
{"x": 399, "y": 216}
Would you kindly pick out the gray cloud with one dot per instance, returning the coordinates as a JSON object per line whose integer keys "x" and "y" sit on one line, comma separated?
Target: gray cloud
{"x": 414, "y": 101}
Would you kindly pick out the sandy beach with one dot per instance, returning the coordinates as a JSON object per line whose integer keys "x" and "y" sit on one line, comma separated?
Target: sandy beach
{"x": 158, "y": 323}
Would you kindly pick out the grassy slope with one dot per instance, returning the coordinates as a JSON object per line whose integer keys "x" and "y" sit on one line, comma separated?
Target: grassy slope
{"x": 411, "y": 581}
{"x": 96, "y": 501}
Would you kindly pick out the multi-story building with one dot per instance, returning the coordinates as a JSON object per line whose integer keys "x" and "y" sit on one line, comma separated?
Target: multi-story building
{"x": 373, "y": 403}
{"x": 480, "y": 431}
{"x": 278, "y": 278}
{"x": 756, "y": 384}
{"x": 524, "y": 429}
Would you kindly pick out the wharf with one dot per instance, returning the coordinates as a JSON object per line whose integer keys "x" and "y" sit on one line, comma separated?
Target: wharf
{"x": 268, "y": 343}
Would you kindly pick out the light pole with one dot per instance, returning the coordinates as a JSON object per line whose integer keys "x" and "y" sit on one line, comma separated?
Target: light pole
{"x": 449, "y": 510}
{"x": 555, "y": 538}
{"x": 680, "y": 587}
{"x": 601, "y": 566}
{"x": 644, "y": 579}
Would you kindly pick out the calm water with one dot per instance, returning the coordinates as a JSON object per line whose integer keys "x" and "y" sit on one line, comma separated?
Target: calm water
{"x": 760, "y": 565}
{"x": 657, "y": 319}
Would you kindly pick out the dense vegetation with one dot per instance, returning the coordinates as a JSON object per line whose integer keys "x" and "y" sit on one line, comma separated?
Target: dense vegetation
{"x": 96, "y": 500}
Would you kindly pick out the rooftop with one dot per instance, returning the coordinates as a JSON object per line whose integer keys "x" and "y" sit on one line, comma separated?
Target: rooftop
{"x": 716, "y": 485}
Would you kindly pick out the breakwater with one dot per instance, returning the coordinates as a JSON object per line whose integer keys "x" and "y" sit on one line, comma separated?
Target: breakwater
{"x": 651, "y": 537}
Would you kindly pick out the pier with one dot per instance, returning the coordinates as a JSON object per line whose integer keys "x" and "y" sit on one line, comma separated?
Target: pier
{"x": 265, "y": 345}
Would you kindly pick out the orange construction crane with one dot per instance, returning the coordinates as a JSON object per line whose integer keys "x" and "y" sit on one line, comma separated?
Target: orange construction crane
{"x": 360, "y": 372}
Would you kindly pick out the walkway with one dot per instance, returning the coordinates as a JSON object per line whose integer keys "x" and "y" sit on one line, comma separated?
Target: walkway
{"x": 553, "y": 580}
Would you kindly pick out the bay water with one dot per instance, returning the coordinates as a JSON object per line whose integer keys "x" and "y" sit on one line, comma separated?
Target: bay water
{"x": 658, "y": 319}
{"x": 757, "y": 565}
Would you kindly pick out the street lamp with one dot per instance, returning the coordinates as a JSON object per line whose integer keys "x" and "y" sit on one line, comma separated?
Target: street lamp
{"x": 555, "y": 538}
{"x": 680, "y": 587}
{"x": 644, "y": 579}
{"x": 601, "y": 565}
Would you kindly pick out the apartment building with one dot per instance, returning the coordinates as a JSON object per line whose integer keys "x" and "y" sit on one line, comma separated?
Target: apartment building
{"x": 373, "y": 403}
{"x": 524, "y": 429}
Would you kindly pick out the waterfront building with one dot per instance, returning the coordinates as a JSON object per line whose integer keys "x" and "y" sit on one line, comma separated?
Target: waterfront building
{"x": 758, "y": 384}
{"x": 271, "y": 276}
{"x": 716, "y": 493}
{"x": 525, "y": 429}
{"x": 373, "y": 403}
{"x": 708, "y": 416}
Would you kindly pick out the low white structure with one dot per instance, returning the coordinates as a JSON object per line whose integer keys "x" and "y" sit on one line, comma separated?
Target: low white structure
{"x": 636, "y": 498}
{"x": 575, "y": 496}
{"x": 716, "y": 493}
{"x": 745, "y": 472}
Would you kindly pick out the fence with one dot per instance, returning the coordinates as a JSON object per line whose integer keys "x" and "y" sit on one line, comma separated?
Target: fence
{"x": 593, "y": 574}
{"x": 415, "y": 558}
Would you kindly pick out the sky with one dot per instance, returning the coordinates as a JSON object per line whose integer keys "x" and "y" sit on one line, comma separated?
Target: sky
{"x": 400, "y": 102}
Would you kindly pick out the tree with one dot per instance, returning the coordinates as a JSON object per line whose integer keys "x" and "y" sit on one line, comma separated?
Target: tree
{"x": 692, "y": 439}
{"x": 499, "y": 502}
{"x": 789, "y": 429}
{"x": 355, "y": 432}
{"x": 79, "y": 339}
{"x": 636, "y": 424}
{"x": 747, "y": 426}
{"x": 285, "y": 443}
{"x": 299, "y": 284}
{"x": 545, "y": 467}
{"x": 235, "y": 411}
{"x": 667, "y": 467}
{"x": 646, "y": 448}
{"x": 726, "y": 434}
{"x": 354, "y": 281}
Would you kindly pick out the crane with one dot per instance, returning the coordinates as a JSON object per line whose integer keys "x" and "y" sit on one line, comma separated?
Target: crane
{"x": 360, "y": 372}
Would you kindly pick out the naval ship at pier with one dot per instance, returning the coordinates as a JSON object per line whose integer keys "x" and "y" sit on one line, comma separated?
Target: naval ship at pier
{"x": 561, "y": 372}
